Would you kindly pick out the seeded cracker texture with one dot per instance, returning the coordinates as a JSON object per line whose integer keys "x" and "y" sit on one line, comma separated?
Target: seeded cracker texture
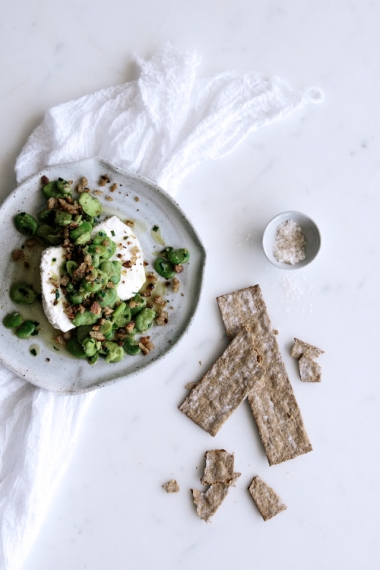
{"x": 266, "y": 499}
{"x": 225, "y": 385}
{"x": 300, "y": 347}
{"x": 171, "y": 487}
{"x": 310, "y": 371}
{"x": 219, "y": 467}
{"x": 272, "y": 400}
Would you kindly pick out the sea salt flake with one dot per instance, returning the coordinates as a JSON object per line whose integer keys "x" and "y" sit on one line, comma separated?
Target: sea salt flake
{"x": 289, "y": 245}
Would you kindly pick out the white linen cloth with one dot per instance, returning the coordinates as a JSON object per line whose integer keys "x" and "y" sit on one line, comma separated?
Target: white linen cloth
{"x": 162, "y": 125}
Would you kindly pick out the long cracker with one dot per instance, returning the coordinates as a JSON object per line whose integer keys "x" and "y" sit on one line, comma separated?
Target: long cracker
{"x": 266, "y": 499}
{"x": 225, "y": 385}
{"x": 272, "y": 400}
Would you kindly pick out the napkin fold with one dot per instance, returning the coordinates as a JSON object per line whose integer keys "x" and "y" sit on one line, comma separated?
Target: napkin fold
{"x": 162, "y": 126}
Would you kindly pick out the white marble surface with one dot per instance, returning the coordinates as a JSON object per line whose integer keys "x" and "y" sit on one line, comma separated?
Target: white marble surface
{"x": 110, "y": 511}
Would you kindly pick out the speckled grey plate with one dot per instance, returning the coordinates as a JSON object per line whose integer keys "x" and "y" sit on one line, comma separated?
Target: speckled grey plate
{"x": 136, "y": 198}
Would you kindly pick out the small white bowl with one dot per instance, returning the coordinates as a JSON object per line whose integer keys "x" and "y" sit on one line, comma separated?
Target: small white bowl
{"x": 309, "y": 229}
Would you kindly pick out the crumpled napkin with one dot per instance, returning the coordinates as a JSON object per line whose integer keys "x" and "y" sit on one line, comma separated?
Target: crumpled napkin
{"x": 162, "y": 126}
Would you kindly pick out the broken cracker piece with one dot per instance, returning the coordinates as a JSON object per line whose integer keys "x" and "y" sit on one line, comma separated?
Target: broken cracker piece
{"x": 310, "y": 371}
{"x": 208, "y": 503}
{"x": 219, "y": 467}
{"x": 190, "y": 385}
{"x": 302, "y": 347}
{"x": 266, "y": 499}
{"x": 171, "y": 487}
{"x": 272, "y": 400}
{"x": 225, "y": 385}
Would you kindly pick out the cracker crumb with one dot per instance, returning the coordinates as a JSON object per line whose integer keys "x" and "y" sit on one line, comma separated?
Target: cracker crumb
{"x": 171, "y": 487}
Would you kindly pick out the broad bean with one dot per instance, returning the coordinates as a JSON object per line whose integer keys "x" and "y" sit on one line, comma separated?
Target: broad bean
{"x": 12, "y": 320}
{"x": 26, "y": 224}
{"x": 22, "y": 293}
{"x": 26, "y": 329}
{"x": 179, "y": 256}
{"x": 90, "y": 205}
{"x": 86, "y": 318}
{"x": 75, "y": 348}
{"x": 137, "y": 303}
{"x": 145, "y": 319}
{"x": 164, "y": 268}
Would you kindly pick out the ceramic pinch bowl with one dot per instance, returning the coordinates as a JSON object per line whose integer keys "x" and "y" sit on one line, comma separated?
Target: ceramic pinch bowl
{"x": 309, "y": 229}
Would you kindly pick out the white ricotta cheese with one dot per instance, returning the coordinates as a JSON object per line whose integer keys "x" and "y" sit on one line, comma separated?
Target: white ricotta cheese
{"x": 51, "y": 261}
{"x": 132, "y": 279}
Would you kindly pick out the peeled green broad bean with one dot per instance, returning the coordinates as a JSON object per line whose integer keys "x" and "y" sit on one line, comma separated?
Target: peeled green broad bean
{"x": 50, "y": 190}
{"x": 26, "y": 224}
{"x": 107, "y": 298}
{"x": 95, "y": 285}
{"x": 54, "y": 239}
{"x": 117, "y": 276}
{"x": 96, "y": 248}
{"x": 137, "y": 303}
{"x": 95, "y": 259}
{"x": 26, "y": 329}
{"x": 84, "y": 228}
{"x": 179, "y": 256}
{"x": 109, "y": 247}
{"x": 86, "y": 318}
{"x": 22, "y": 294}
{"x": 76, "y": 298}
{"x": 90, "y": 346}
{"x": 83, "y": 332}
{"x": 63, "y": 186}
{"x": 75, "y": 348}
{"x": 131, "y": 347}
{"x": 94, "y": 359}
{"x": 90, "y": 205}
{"x": 107, "y": 267}
{"x": 115, "y": 352}
{"x": 164, "y": 268}
{"x": 145, "y": 319}
{"x": 106, "y": 327}
{"x": 113, "y": 270}
{"x": 12, "y": 320}
{"x": 121, "y": 315}
{"x": 45, "y": 215}
{"x": 63, "y": 218}
{"x": 83, "y": 239}
{"x": 100, "y": 236}
{"x": 44, "y": 231}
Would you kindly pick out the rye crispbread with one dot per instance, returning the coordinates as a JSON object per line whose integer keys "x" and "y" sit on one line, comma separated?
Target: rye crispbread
{"x": 272, "y": 400}
{"x": 300, "y": 347}
{"x": 171, "y": 487}
{"x": 310, "y": 371}
{"x": 219, "y": 467}
{"x": 208, "y": 503}
{"x": 225, "y": 385}
{"x": 266, "y": 499}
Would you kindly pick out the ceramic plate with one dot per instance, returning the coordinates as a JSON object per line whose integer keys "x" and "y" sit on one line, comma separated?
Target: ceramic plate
{"x": 137, "y": 199}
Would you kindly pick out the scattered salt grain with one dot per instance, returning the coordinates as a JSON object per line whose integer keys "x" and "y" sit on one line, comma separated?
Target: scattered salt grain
{"x": 289, "y": 245}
